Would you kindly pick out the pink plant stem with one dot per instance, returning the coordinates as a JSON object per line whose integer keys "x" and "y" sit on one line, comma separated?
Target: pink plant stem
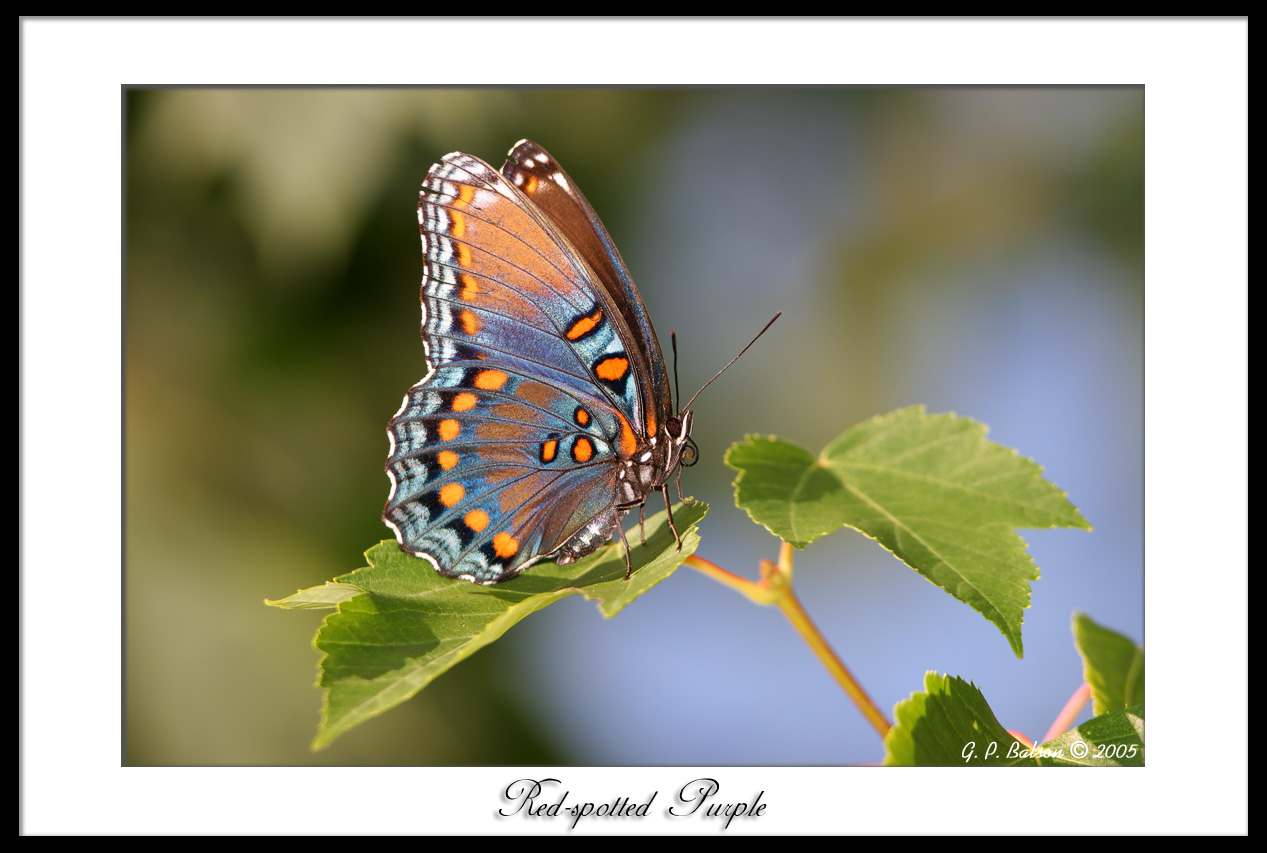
{"x": 1064, "y": 720}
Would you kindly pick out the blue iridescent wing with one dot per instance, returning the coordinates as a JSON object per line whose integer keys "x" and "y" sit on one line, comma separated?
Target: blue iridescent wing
{"x": 509, "y": 446}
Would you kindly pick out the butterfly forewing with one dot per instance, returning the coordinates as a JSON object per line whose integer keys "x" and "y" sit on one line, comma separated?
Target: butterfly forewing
{"x": 531, "y": 168}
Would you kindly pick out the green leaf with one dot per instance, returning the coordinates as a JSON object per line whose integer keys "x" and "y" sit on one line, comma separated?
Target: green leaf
{"x": 1111, "y": 663}
{"x": 950, "y": 724}
{"x": 929, "y": 488}
{"x": 414, "y": 624}
{"x": 325, "y": 597}
{"x": 1115, "y": 739}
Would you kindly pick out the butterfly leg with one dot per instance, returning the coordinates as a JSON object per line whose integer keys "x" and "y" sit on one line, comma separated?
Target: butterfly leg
{"x": 625, "y": 542}
{"x": 685, "y": 500}
{"x": 642, "y": 519}
{"x": 669, "y": 507}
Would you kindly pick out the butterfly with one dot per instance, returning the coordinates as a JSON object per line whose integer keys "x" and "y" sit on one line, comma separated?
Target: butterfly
{"x": 545, "y": 415}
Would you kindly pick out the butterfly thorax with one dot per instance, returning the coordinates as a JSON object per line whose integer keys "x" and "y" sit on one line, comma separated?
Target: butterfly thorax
{"x": 654, "y": 463}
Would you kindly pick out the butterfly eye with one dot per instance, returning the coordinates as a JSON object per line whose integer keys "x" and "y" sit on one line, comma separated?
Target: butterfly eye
{"x": 690, "y": 454}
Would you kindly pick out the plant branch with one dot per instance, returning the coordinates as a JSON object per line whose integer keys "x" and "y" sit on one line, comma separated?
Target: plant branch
{"x": 775, "y": 587}
{"x": 1064, "y": 720}
{"x": 755, "y": 591}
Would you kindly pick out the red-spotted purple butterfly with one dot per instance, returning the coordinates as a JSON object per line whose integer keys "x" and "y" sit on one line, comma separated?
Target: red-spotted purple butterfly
{"x": 545, "y": 414}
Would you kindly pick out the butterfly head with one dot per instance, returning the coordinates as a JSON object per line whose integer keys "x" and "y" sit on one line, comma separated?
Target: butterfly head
{"x": 682, "y": 449}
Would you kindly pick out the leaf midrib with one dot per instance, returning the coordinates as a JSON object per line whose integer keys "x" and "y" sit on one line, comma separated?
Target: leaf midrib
{"x": 937, "y": 553}
{"x": 924, "y": 478}
{"x": 415, "y": 670}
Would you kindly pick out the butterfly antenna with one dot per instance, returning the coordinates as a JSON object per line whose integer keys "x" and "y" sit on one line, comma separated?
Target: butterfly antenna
{"x": 728, "y": 364}
{"x": 677, "y": 391}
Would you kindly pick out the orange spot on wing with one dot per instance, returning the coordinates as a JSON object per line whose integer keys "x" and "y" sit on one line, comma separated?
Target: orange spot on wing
{"x": 582, "y": 416}
{"x": 582, "y": 450}
{"x": 548, "y": 450}
{"x": 464, "y": 402}
{"x": 628, "y": 441}
{"x": 490, "y": 380}
{"x": 476, "y": 519}
{"x": 447, "y": 459}
{"x": 457, "y": 221}
{"x": 504, "y": 545}
{"x": 448, "y": 429}
{"x": 451, "y": 493}
{"x": 584, "y": 325}
{"x": 612, "y": 368}
{"x": 469, "y": 287}
{"x": 470, "y": 323}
